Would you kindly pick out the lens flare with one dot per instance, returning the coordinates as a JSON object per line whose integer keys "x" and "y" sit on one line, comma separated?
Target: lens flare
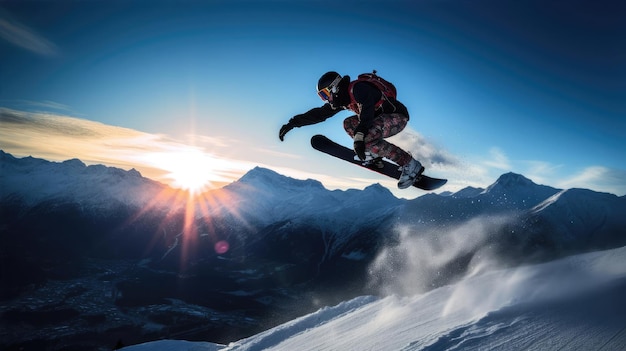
{"x": 221, "y": 247}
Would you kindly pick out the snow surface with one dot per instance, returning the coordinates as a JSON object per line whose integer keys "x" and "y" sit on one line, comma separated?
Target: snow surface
{"x": 576, "y": 303}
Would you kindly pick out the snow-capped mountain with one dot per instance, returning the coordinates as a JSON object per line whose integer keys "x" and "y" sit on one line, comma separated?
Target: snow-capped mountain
{"x": 581, "y": 216}
{"x": 34, "y": 181}
{"x": 268, "y": 197}
{"x": 97, "y": 233}
{"x": 264, "y": 206}
{"x": 263, "y": 197}
{"x": 516, "y": 191}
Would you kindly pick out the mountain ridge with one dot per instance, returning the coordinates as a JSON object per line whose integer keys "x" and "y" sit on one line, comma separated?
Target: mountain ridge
{"x": 35, "y": 180}
{"x": 258, "y": 177}
{"x": 263, "y": 197}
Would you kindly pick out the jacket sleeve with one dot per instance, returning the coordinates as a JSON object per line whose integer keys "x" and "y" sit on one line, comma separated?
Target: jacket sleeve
{"x": 367, "y": 96}
{"x": 313, "y": 116}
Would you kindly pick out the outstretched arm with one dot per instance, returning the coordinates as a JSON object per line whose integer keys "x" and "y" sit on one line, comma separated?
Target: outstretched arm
{"x": 313, "y": 116}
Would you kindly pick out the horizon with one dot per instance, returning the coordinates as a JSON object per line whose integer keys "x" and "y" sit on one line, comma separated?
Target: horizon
{"x": 203, "y": 191}
{"x": 193, "y": 94}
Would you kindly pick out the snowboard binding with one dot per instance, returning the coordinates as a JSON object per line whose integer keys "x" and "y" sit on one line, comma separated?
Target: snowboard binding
{"x": 371, "y": 161}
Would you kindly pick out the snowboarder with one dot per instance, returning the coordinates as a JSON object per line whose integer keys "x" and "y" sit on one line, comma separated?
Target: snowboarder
{"x": 378, "y": 116}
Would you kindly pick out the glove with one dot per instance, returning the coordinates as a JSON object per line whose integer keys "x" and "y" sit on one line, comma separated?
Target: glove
{"x": 359, "y": 145}
{"x": 284, "y": 130}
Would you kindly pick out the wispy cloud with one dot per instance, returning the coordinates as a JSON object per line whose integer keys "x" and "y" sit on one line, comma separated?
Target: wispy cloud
{"x": 423, "y": 149}
{"x": 22, "y": 36}
{"x": 58, "y": 137}
{"x": 45, "y": 106}
{"x": 439, "y": 162}
{"x": 541, "y": 172}
{"x": 597, "y": 178}
{"x": 497, "y": 159}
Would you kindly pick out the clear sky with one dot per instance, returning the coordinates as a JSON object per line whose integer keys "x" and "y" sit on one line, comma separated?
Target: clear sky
{"x": 534, "y": 87}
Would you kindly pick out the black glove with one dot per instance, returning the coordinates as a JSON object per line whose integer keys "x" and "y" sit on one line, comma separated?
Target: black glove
{"x": 359, "y": 145}
{"x": 284, "y": 130}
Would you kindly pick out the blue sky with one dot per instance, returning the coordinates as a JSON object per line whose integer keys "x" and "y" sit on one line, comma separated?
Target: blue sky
{"x": 531, "y": 87}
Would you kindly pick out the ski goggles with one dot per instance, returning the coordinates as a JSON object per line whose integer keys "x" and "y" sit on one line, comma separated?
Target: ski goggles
{"x": 326, "y": 93}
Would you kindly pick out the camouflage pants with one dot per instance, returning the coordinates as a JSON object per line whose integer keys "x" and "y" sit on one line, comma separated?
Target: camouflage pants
{"x": 383, "y": 126}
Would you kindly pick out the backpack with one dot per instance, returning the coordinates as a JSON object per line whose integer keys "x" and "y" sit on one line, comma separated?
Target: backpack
{"x": 386, "y": 87}
{"x": 389, "y": 92}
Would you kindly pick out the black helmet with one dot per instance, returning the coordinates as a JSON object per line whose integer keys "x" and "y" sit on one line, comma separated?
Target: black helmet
{"x": 328, "y": 84}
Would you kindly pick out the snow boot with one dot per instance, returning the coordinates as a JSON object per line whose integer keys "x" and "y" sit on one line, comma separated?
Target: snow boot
{"x": 410, "y": 173}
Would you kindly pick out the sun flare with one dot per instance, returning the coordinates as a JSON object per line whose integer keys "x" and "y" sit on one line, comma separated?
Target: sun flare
{"x": 190, "y": 169}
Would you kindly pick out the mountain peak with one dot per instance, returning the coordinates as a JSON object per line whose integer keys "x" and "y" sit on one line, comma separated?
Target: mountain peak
{"x": 380, "y": 190}
{"x": 511, "y": 179}
{"x": 509, "y": 182}
{"x": 260, "y": 176}
{"x": 257, "y": 173}
{"x": 515, "y": 189}
{"x": 5, "y": 155}
{"x": 74, "y": 163}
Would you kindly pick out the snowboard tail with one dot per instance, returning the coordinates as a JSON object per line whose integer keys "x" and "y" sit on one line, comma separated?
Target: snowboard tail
{"x": 325, "y": 145}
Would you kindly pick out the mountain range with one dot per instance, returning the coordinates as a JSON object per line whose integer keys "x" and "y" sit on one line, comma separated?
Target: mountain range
{"x": 113, "y": 255}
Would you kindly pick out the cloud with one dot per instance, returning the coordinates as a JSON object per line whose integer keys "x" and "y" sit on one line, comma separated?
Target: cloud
{"x": 26, "y": 38}
{"x": 424, "y": 150}
{"x": 44, "y": 106}
{"x": 460, "y": 172}
{"x": 498, "y": 159}
{"x": 57, "y": 138}
{"x": 21, "y": 122}
{"x": 540, "y": 171}
{"x": 597, "y": 178}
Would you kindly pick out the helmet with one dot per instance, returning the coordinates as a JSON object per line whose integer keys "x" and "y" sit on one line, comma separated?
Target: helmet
{"x": 328, "y": 85}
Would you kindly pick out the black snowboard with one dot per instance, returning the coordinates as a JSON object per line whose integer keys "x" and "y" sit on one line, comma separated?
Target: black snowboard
{"x": 323, "y": 144}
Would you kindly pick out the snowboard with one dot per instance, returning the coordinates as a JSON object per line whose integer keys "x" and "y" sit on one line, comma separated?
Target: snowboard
{"x": 325, "y": 145}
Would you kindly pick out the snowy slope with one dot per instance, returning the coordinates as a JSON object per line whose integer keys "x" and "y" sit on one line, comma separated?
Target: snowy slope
{"x": 574, "y": 303}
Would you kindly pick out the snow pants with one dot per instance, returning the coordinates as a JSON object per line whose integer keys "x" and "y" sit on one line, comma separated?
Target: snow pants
{"x": 383, "y": 126}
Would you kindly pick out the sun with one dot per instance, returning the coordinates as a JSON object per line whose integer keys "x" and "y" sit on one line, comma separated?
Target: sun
{"x": 188, "y": 169}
